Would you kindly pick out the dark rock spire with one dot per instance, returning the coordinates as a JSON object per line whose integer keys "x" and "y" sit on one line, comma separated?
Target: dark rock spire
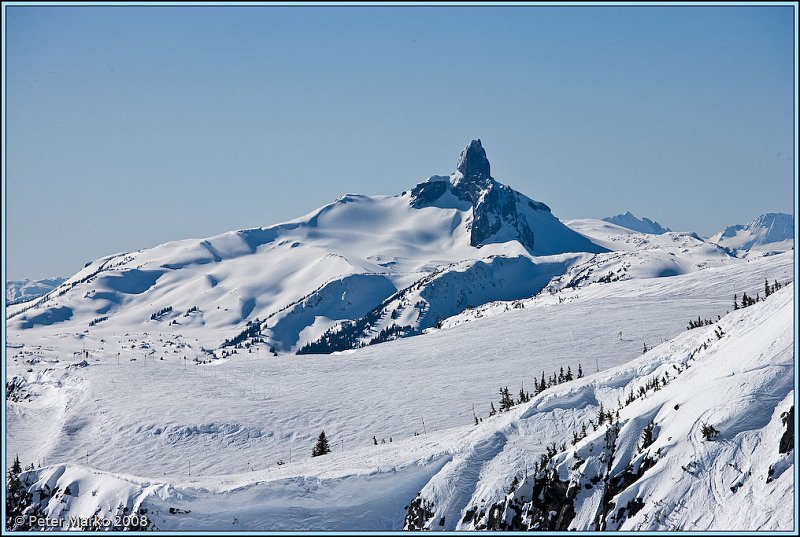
{"x": 473, "y": 163}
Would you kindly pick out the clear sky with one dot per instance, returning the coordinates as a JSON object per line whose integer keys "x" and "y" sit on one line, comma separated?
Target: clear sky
{"x": 132, "y": 126}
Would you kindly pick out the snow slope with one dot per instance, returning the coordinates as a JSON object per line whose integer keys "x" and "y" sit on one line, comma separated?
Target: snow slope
{"x": 24, "y": 290}
{"x": 768, "y": 233}
{"x": 735, "y": 374}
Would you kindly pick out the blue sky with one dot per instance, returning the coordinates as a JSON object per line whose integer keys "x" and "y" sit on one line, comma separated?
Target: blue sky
{"x": 131, "y": 126}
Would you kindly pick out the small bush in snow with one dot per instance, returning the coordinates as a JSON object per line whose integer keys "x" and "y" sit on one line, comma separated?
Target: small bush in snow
{"x": 709, "y": 432}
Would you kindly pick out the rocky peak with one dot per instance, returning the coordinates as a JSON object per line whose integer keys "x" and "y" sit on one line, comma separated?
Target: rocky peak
{"x": 473, "y": 164}
{"x": 472, "y": 177}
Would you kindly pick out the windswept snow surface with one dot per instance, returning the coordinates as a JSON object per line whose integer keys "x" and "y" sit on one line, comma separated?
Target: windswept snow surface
{"x": 140, "y": 425}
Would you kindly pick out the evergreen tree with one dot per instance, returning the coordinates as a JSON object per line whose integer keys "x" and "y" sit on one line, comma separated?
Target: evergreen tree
{"x": 601, "y": 416}
{"x": 561, "y": 375}
{"x": 19, "y": 502}
{"x": 767, "y": 290}
{"x": 568, "y": 376}
{"x": 322, "y": 446}
{"x": 542, "y": 385}
{"x": 735, "y": 304}
{"x": 492, "y": 410}
{"x": 506, "y": 402}
{"x": 647, "y": 436}
{"x": 580, "y": 371}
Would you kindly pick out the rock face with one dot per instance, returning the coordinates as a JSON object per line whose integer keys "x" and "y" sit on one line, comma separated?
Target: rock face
{"x": 424, "y": 194}
{"x": 498, "y": 208}
{"x": 473, "y": 164}
{"x": 499, "y": 213}
{"x": 472, "y": 176}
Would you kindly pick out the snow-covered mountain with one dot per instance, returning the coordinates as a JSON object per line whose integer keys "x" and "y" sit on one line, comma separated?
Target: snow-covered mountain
{"x": 359, "y": 271}
{"x": 642, "y": 225}
{"x": 18, "y": 291}
{"x": 351, "y": 261}
{"x": 768, "y": 232}
{"x": 159, "y": 383}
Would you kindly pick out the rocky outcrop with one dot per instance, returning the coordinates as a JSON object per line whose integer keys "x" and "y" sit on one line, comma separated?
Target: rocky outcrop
{"x": 499, "y": 213}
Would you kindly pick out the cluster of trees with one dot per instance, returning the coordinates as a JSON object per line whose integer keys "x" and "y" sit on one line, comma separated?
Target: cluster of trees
{"x": 347, "y": 334}
{"x": 98, "y": 320}
{"x": 745, "y": 302}
{"x": 749, "y": 301}
{"x": 603, "y": 416}
{"x": 541, "y": 385}
{"x": 507, "y": 400}
{"x": 610, "y": 277}
{"x": 19, "y": 501}
{"x": 157, "y": 315}
{"x": 392, "y": 332}
{"x": 769, "y": 289}
{"x": 252, "y": 331}
{"x": 655, "y": 383}
{"x": 191, "y": 310}
{"x": 700, "y": 322}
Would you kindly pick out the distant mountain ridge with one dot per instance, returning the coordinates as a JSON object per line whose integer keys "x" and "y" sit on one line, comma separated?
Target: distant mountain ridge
{"x": 770, "y": 231}
{"x": 642, "y": 225}
{"x": 18, "y": 291}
